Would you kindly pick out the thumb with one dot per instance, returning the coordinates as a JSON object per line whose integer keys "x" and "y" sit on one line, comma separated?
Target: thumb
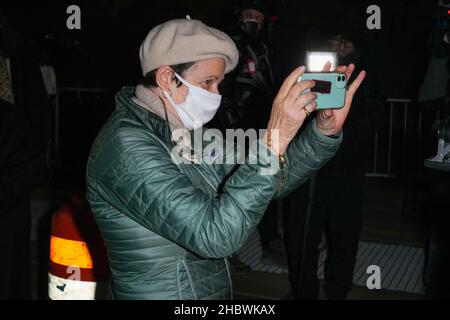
{"x": 327, "y": 113}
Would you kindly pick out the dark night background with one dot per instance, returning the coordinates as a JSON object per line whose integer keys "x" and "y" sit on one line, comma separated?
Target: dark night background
{"x": 112, "y": 31}
{"x": 104, "y": 55}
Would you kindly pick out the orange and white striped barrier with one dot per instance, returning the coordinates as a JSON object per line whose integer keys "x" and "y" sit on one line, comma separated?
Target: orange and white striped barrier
{"x": 78, "y": 260}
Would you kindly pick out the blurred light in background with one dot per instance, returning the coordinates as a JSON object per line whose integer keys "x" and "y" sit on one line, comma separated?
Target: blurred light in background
{"x": 315, "y": 60}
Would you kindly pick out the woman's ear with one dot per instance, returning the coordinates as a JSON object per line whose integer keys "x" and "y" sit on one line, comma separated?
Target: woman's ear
{"x": 164, "y": 77}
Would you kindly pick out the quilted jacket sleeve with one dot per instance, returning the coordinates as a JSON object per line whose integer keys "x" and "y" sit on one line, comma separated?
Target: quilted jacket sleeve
{"x": 136, "y": 175}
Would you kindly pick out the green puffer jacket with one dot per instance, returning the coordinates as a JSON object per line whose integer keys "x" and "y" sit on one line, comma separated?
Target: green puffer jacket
{"x": 169, "y": 227}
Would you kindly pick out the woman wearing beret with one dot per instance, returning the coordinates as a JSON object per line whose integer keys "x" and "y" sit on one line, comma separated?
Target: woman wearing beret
{"x": 170, "y": 225}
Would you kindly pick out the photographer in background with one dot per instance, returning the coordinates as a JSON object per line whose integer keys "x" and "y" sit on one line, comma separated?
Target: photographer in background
{"x": 249, "y": 90}
{"x": 338, "y": 190}
{"x": 248, "y": 93}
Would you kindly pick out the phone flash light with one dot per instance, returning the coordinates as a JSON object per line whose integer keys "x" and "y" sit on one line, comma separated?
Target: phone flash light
{"x": 315, "y": 60}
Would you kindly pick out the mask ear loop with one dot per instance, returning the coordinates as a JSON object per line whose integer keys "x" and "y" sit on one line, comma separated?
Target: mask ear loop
{"x": 168, "y": 122}
{"x": 174, "y": 143}
{"x": 188, "y": 85}
{"x": 169, "y": 93}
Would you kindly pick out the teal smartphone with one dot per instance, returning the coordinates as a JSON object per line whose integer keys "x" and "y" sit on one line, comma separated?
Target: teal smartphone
{"x": 330, "y": 88}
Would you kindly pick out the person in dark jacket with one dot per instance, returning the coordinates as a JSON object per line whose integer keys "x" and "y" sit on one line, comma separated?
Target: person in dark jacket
{"x": 338, "y": 189}
{"x": 23, "y": 134}
{"x": 170, "y": 214}
{"x": 248, "y": 90}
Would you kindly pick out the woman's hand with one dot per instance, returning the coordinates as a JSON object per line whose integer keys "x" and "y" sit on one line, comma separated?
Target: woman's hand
{"x": 288, "y": 111}
{"x": 330, "y": 121}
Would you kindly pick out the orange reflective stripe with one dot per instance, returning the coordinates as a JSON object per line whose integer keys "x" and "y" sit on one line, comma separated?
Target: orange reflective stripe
{"x": 70, "y": 253}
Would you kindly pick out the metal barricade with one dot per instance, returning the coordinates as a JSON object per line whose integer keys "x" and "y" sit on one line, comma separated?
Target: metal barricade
{"x": 404, "y": 125}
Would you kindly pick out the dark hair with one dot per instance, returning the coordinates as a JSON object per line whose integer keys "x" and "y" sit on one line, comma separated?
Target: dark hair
{"x": 149, "y": 80}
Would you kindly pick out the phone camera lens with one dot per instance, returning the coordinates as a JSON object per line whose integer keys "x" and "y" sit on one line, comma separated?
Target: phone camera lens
{"x": 339, "y": 78}
{"x": 343, "y": 78}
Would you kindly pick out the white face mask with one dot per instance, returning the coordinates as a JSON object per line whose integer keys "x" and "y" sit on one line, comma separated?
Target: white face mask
{"x": 199, "y": 107}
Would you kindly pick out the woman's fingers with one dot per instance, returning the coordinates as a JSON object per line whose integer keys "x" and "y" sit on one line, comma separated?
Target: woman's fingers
{"x": 356, "y": 83}
{"x": 311, "y": 107}
{"x": 306, "y": 98}
{"x": 298, "y": 88}
{"x": 327, "y": 113}
{"x": 341, "y": 69}
{"x": 353, "y": 87}
{"x": 327, "y": 67}
{"x": 348, "y": 99}
{"x": 290, "y": 81}
{"x": 349, "y": 72}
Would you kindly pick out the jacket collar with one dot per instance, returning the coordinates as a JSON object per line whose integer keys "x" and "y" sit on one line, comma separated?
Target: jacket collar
{"x": 149, "y": 108}
{"x": 125, "y": 101}
{"x": 148, "y": 99}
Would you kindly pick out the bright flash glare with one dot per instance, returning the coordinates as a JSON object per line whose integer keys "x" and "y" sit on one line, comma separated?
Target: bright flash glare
{"x": 315, "y": 60}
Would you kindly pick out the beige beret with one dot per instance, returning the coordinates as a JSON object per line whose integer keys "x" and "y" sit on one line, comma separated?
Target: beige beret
{"x": 183, "y": 40}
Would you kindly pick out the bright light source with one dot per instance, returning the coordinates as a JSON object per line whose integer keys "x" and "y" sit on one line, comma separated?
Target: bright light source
{"x": 316, "y": 60}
